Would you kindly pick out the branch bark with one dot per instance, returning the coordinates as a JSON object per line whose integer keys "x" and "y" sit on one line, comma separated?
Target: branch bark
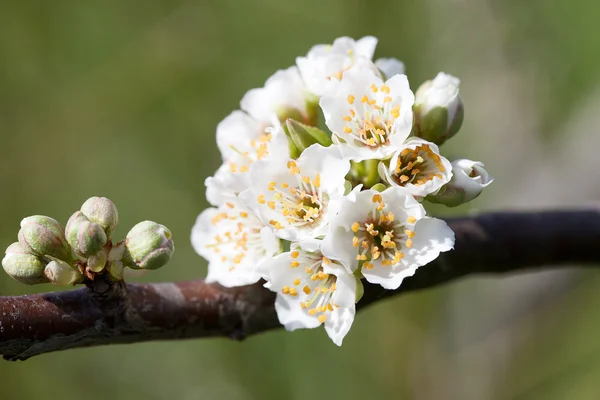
{"x": 112, "y": 313}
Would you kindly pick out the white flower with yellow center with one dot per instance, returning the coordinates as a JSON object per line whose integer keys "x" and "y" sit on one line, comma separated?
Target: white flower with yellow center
{"x": 325, "y": 65}
{"x": 417, "y": 167}
{"x": 311, "y": 290}
{"x": 385, "y": 234}
{"x": 369, "y": 119}
{"x": 242, "y": 141}
{"x": 297, "y": 198}
{"x": 234, "y": 241}
{"x": 283, "y": 95}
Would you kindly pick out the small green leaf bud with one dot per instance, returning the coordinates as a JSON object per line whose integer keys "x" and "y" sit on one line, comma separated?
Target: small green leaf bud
{"x": 148, "y": 246}
{"x": 438, "y": 109}
{"x": 43, "y": 236}
{"x": 102, "y": 211}
{"x": 85, "y": 237}
{"x": 60, "y": 273}
{"x": 303, "y": 136}
{"x": 23, "y": 266}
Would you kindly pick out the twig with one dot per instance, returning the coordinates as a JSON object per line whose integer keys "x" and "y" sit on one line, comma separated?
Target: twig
{"x": 112, "y": 313}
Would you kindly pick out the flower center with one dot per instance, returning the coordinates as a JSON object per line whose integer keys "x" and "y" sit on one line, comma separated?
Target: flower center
{"x": 381, "y": 236}
{"x": 257, "y": 150}
{"x": 238, "y": 233}
{"x": 300, "y": 204}
{"x": 317, "y": 286}
{"x": 370, "y": 122}
{"x": 417, "y": 166}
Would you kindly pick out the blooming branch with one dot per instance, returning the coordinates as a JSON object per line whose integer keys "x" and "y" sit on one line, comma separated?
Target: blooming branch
{"x": 111, "y": 312}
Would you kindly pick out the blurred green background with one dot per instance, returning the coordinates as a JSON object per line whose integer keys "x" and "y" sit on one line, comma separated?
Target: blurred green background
{"x": 121, "y": 99}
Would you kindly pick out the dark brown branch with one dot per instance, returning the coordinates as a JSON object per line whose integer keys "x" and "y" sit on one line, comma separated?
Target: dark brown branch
{"x": 108, "y": 313}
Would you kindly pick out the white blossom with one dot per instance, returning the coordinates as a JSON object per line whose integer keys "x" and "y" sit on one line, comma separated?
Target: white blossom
{"x": 417, "y": 167}
{"x": 242, "y": 141}
{"x": 468, "y": 181}
{"x": 385, "y": 234}
{"x": 369, "y": 119}
{"x": 283, "y": 95}
{"x": 311, "y": 290}
{"x": 234, "y": 241}
{"x": 298, "y": 197}
{"x": 442, "y": 91}
{"x": 324, "y": 65}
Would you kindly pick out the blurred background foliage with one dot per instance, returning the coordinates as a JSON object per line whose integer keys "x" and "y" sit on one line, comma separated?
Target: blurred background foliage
{"x": 121, "y": 99}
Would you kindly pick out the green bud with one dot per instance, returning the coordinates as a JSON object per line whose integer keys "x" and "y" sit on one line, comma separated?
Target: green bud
{"x": 23, "y": 266}
{"x": 43, "y": 236}
{"x": 148, "y": 246}
{"x": 438, "y": 109}
{"x": 102, "y": 211}
{"x": 97, "y": 262}
{"x": 303, "y": 136}
{"x": 115, "y": 270}
{"x": 60, "y": 273}
{"x": 85, "y": 237}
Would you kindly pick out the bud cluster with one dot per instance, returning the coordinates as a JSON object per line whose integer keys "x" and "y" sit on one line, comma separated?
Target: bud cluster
{"x": 45, "y": 252}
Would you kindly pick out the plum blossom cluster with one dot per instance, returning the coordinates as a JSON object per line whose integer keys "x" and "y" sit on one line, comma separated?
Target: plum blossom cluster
{"x": 315, "y": 212}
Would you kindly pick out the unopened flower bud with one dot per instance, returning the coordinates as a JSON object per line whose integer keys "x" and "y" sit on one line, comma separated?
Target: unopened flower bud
{"x": 469, "y": 178}
{"x": 148, "y": 246}
{"x": 115, "y": 270}
{"x": 303, "y": 136}
{"x": 102, "y": 211}
{"x": 23, "y": 266}
{"x": 43, "y": 236}
{"x": 97, "y": 262}
{"x": 85, "y": 237}
{"x": 60, "y": 273}
{"x": 438, "y": 109}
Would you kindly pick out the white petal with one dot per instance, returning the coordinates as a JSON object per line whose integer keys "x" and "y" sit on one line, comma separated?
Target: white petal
{"x": 432, "y": 236}
{"x": 390, "y": 66}
{"x": 339, "y": 323}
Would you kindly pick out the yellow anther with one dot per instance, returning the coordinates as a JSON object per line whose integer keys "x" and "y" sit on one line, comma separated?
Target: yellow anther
{"x": 285, "y": 290}
{"x": 355, "y": 241}
{"x": 326, "y": 261}
{"x": 361, "y": 257}
{"x": 272, "y": 185}
{"x": 243, "y": 214}
{"x": 261, "y": 199}
{"x": 368, "y": 265}
{"x": 295, "y": 254}
{"x": 387, "y": 99}
{"x": 409, "y": 243}
{"x": 347, "y": 129}
{"x": 385, "y": 89}
{"x": 296, "y": 281}
{"x": 350, "y": 99}
{"x": 322, "y": 318}
{"x": 364, "y": 99}
{"x": 409, "y": 233}
{"x": 271, "y": 205}
{"x": 317, "y": 183}
{"x": 329, "y": 307}
{"x": 312, "y": 311}
{"x": 293, "y": 292}
{"x": 411, "y": 220}
{"x": 355, "y": 227}
{"x": 306, "y": 289}
{"x": 377, "y": 198}
{"x": 374, "y": 88}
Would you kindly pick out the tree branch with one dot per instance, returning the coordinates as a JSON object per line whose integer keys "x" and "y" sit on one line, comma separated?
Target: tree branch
{"x": 112, "y": 313}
